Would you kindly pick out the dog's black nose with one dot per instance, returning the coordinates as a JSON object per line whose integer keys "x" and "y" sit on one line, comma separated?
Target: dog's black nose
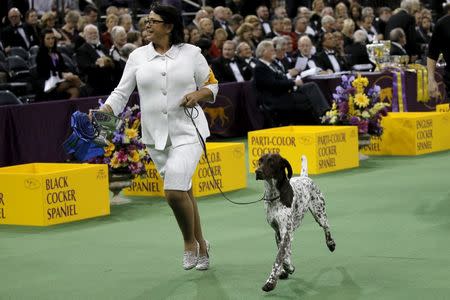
{"x": 259, "y": 175}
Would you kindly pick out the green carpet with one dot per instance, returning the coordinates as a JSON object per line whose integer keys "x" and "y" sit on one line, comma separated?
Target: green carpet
{"x": 390, "y": 219}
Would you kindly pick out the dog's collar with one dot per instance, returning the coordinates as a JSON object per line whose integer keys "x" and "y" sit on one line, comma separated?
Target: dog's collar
{"x": 270, "y": 199}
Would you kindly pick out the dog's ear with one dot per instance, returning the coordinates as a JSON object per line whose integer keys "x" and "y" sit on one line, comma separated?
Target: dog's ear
{"x": 287, "y": 165}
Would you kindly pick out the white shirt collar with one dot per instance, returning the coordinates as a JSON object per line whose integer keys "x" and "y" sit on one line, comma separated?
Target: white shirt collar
{"x": 171, "y": 53}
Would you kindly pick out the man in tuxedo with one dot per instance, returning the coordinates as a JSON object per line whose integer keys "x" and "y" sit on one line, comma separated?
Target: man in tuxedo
{"x": 357, "y": 52}
{"x": 220, "y": 21}
{"x": 328, "y": 59}
{"x": 16, "y": 34}
{"x": 228, "y": 67}
{"x": 398, "y": 42}
{"x": 244, "y": 52}
{"x": 406, "y": 21}
{"x": 94, "y": 63}
{"x": 263, "y": 15}
{"x": 306, "y": 60}
{"x": 281, "y": 94}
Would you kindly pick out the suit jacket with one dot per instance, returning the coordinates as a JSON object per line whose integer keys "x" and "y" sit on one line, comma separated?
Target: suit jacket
{"x": 396, "y": 50}
{"x": 45, "y": 68}
{"x": 357, "y": 54}
{"x": 222, "y": 70}
{"x": 11, "y": 37}
{"x": 101, "y": 80}
{"x": 324, "y": 62}
{"x": 273, "y": 88}
{"x": 408, "y": 23}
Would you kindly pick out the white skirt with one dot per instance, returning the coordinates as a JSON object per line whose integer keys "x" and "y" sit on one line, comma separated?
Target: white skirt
{"x": 176, "y": 165}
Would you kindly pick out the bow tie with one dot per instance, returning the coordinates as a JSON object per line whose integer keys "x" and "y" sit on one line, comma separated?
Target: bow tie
{"x": 230, "y": 60}
{"x": 329, "y": 52}
{"x": 97, "y": 47}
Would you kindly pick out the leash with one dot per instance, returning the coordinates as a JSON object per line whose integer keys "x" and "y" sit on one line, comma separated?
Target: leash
{"x": 189, "y": 113}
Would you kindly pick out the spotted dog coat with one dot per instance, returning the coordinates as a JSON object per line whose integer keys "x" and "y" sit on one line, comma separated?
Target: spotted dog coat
{"x": 286, "y": 201}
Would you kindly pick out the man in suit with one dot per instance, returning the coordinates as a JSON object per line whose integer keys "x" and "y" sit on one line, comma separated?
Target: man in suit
{"x": 406, "y": 21}
{"x": 279, "y": 93}
{"x": 398, "y": 42}
{"x": 306, "y": 60}
{"x": 16, "y": 34}
{"x": 230, "y": 68}
{"x": 220, "y": 21}
{"x": 327, "y": 58}
{"x": 357, "y": 52}
{"x": 95, "y": 64}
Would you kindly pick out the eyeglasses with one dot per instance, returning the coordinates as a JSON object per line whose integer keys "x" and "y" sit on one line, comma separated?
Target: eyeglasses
{"x": 148, "y": 21}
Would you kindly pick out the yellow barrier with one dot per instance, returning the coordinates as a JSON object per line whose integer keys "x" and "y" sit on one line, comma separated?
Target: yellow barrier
{"x": 443, "y": 107}
{"x": 227, "y": 162}
{"x": 413, "y": 133}
{"x": 43, "y": 194}
{"x": 328, "y": 148}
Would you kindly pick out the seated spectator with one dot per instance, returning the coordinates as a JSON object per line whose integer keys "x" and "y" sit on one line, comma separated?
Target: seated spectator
{"x": 220, "y": 36}
{"x": 111, "y": 21}
{"x": 134, "y": 37}
{"x": 355, "y": 12}
{"x": 262, "y": 12}
{"x": 32, "y": 25}
{"x": 369, "y": 29}
{"x": 257, "y": 34}
{"x": 424, "y": 34}
{"x": 206, "y": 28}
{"x": 200, "y": 14}
{"x": 301, "y": 28}
{"x": 126, "y": 50}
{"x": 347, "y": 30}
{"x": 327, "y": 59}
{"x": 357, "y": 52}
{"x": 119, "y": 37}
{"x": 316, "y": 14}
{"x": 50, "y": 63}
{"x": 339, "y": 37}
{"x": 205, "y": 44}
{"x": 245, "y": 34}
{"x": 95, "y": 64}
{"x": 48, "y": 21}
{"x": 328, "y": 23}
{"x": 306, "y": 57}
{"x": 70, "y": 28}
{"x": 228, "y": 67}
{"x": 126, "y": 21}
{"x": 245, "y": 53}
{"x": 16, "y": 34}
{"x": 279, "y": 93}
{"x": 283, "y": 62}
{"x": 398, "y": 41}
{"x": 194, "y": 35}
{"x": 341, "y": 11}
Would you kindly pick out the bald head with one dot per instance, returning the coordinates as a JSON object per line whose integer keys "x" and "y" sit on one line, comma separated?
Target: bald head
{"x": 305, "y": 45}
{"x": 14, "y": 16}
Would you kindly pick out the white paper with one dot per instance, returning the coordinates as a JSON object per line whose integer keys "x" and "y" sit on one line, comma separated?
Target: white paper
{"x": 51, "y": 83}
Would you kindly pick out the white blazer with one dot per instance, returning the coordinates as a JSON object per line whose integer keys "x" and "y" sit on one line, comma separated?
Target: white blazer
{"x": 162, "y": 81}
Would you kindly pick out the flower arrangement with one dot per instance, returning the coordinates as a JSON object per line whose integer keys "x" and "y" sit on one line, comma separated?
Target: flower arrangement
{"x": 352, "y": 105}
{"x": 124, "y": 152}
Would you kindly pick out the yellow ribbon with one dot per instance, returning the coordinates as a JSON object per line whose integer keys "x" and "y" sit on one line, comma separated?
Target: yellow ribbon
{"x": 422, "y": 82}
{"x": 399, "y": 92}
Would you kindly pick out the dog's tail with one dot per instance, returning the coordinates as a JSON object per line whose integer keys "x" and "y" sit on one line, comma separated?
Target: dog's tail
{"x": 304, "y": 166}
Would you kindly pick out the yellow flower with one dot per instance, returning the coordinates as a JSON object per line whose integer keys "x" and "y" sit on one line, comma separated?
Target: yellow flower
{"x": 134, "y": 156}
{"x": 115, "y": 161}
{"x": 109, "y": 149}
{"x": 131, "y": 133}
{"x": 351, "y": 109}
{"x": 361, "y": 100}
{"x": 360, "y": 83}
{"x": 136, "y": 124}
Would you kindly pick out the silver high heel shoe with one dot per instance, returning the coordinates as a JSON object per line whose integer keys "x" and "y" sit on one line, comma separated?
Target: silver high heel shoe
{"x": 190, "y": 258}
{"x": 203, "y": 261}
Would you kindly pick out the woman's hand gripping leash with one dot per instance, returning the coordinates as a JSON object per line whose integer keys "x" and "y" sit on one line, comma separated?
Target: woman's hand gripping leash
{"x": 189, "y": 103}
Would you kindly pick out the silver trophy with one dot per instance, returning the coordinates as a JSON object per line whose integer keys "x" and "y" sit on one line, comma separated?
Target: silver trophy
{"x": 105, "y": 123}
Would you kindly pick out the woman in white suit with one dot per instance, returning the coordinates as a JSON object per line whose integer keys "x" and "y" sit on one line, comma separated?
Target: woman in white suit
{"x": 171, "y": 75}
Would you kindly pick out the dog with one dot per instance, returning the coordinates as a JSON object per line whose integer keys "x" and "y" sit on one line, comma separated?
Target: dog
{"x": 286, "y": 200}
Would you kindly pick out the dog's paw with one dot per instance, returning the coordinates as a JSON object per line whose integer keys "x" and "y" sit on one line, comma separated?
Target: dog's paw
{"x": 284, "y": 275}
{"x": 269, "y": 286}
{"x": 331, "y": 245}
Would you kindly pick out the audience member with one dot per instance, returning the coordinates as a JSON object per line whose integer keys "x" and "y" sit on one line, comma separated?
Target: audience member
{"x": 398, "y": 41}
{"x": 357, "y": 52}
{"x": 111, "y": 21}
{"x": 16, "y": 34}
{"x": 220, "y": 36}
{"x": 327, "y": 58}
{"x": 279, "y": 93}
{"x": 54, "y": 81}
{"x": 228, "y": 67}
{"x": 244, "y": 52}
{"x": 94, "y": 63}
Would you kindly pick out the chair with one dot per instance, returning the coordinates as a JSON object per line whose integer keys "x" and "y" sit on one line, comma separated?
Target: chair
{"x": 70, "y": 63}
{"x": 2, "y": 56}
{"x": 8, "y": 98}
{"x": 19, "y": 51}
{"x": 18, "y": 68}
{"x": 34, "y": 50}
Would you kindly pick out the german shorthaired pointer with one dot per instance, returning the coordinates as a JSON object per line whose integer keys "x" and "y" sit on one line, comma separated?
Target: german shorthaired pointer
{"x": 286, "y": 201}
